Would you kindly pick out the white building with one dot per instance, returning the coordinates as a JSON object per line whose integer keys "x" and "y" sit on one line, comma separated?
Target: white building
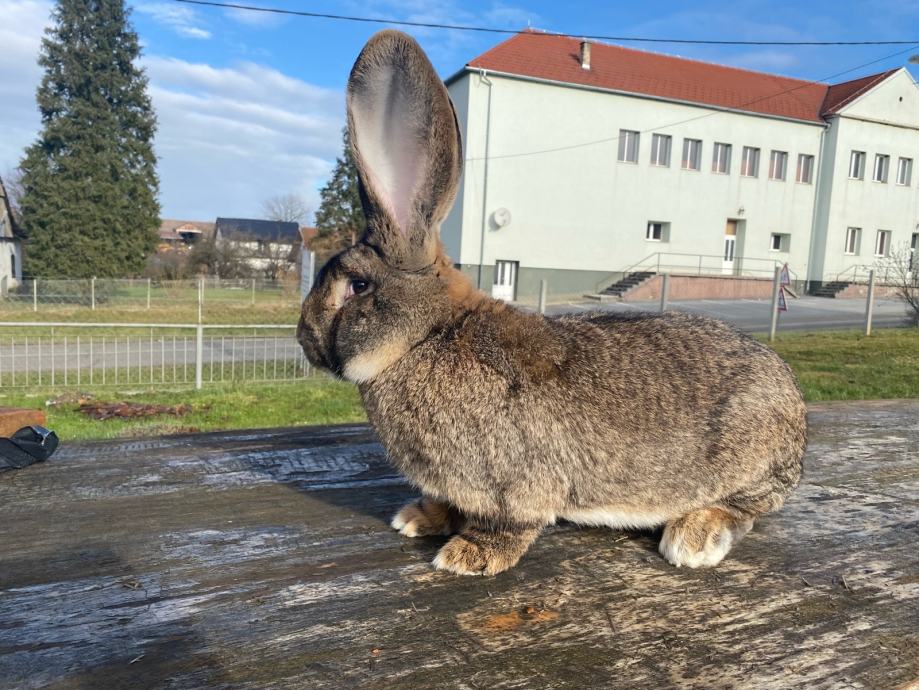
{"x": 587, "y": 161}
{"x": 10, "y": 245}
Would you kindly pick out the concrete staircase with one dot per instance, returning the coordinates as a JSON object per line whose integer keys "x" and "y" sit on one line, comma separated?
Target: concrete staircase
{"x": 630, "y": 281}
{"x": 831, "y": 289}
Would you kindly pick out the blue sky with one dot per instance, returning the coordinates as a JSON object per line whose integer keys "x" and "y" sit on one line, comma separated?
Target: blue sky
{"x": 251, "y": 105}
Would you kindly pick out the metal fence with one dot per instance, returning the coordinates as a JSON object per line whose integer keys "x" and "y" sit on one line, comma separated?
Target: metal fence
{"x": 216, "y": 300}
{"x": 66, "y": 354}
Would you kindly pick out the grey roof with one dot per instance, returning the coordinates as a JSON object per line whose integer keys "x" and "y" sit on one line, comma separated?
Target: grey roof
{"x": 9, "y": 230}
{"x": 267, "y": 230}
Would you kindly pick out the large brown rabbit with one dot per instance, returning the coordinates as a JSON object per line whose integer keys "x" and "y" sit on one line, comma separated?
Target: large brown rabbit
{"x": 508, "y": 421}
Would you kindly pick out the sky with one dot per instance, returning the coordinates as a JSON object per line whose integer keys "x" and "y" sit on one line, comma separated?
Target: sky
{"x": 251, "y": 105}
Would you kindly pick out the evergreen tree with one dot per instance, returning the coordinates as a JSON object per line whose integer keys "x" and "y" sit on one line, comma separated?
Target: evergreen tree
{"x": 340, "y": 217}
{"x": 89, "y": 204}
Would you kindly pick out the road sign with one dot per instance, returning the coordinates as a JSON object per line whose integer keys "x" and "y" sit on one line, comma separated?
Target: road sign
{"x": 783, "y": 305}
{"x": 786, "y": 278}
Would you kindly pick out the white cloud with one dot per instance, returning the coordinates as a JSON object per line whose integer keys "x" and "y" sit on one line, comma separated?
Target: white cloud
{"x": 228, "y": 138}
{"x": 20, "y": 38}
{"x": 183, "y": 20}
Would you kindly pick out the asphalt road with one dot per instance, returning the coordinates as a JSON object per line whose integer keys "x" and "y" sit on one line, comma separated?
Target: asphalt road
{"x": 751, "y": 315}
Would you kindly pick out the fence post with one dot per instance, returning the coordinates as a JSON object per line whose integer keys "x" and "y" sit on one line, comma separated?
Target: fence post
{"x": 665, "y": 291}
{"x": 92, "y": 292}
{"x": 869, "y": 308}
{"x": 253, "y": 291}
{"x": 776, "y": 286}
{"x": 148, "y": 293}
{"x": 200, "y": 299}
{"x": 543, "y": 292}
{"x": 199, "y": 339}
{"x": 34, "y": 294}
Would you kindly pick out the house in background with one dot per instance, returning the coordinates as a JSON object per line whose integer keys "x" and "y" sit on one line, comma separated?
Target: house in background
{"x": 10, "y": 244}
{"x": 270, "y": 247}
{"x": 182, "y": 234}
{"x": 587, "y": 162}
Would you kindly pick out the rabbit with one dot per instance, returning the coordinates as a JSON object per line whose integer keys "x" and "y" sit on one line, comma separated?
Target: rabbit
{"x": 508, "y": 421}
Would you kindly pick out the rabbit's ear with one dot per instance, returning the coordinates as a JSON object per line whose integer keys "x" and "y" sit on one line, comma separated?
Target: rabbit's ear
{"x": 406, "y": 145}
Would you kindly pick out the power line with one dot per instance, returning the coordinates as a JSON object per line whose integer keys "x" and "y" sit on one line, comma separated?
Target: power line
{"x": 802, "y": 85}
{"x": 492, "y": 30}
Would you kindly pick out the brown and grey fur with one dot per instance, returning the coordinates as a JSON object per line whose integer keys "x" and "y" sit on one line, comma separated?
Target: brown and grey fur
{"x": 508, "y": 421}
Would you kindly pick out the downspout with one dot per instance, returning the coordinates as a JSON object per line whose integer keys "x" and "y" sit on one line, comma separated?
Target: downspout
{"x": 817, "y": 185}
{"x": 483, "y": 77}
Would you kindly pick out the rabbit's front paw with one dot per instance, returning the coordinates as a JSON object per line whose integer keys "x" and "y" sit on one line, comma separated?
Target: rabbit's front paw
{"x": 482, "y": 552}
{"x": 425, "y": 517}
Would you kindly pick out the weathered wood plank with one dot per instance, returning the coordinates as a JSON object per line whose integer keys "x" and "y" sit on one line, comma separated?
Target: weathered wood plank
{"x": 264, "y": 560}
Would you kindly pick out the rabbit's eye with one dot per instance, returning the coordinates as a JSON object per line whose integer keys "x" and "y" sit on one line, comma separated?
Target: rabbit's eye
{"x": 358, "y": 287}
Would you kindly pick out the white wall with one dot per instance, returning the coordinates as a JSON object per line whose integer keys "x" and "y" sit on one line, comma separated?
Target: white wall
{"x": 578, "y": 208}
{"x": 10, "y": 250}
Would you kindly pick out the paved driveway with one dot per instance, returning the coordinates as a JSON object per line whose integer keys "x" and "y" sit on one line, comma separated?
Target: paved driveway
{"x": 805, "y": 313}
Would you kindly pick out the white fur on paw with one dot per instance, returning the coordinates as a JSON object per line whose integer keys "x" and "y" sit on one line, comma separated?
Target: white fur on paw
{"x": 677, "y": 552}
{"x": 441, "y": 563}
{"x": 408, "y": 529}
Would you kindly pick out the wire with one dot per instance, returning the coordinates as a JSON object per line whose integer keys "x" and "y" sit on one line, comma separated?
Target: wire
{"x": 802, "y": 85}
{"x": 491, "y": 30}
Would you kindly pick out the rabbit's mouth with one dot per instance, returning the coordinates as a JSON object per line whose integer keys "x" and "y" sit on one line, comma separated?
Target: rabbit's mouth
{"x": 310, "y": 341}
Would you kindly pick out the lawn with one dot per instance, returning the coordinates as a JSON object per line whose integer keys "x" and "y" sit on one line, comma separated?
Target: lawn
{"x": 829, "y": 365}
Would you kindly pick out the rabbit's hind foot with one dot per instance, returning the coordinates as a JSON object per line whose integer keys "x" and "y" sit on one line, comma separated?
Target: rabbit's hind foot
{"x": 426, "y": 517}
{"x": 701, "y": 539}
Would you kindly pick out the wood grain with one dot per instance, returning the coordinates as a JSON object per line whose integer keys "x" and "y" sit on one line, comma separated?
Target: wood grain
{"x": 264, "y": 560}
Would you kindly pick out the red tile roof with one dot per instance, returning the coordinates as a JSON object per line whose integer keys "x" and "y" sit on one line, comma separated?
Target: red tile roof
{"x": 557, "y": 58}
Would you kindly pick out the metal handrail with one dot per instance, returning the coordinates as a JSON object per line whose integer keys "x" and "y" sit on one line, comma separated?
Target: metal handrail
{"x": 654, "y": 262}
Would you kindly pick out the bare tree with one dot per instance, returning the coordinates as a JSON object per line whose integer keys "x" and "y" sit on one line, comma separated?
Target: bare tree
{"x": 12, "y": 182}
{"x": 288, "y": 208}
{"x": 902, "y": 272}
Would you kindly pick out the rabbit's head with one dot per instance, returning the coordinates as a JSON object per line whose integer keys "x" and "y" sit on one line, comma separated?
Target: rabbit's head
{"x": 374, "y": 301}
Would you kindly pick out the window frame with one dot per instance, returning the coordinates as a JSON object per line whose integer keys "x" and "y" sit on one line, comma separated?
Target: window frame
{"x": 626, "y": 136}
{"x": 744, "y": 162}
{"x": 909, "y": 171}
{"x": 656, "y": 140}
{"x": 884, "y": 245}
{"x": 855, "y": 233}
{"x": 664, "y": 235}
{"x": 690, "y": 146}
{"x": 721, "y": 161}
{"x": 774, "y": 155}
{"x": 884, "y": 160}
{"x": 860, "y": 157}
{"x": 809, "y": 158}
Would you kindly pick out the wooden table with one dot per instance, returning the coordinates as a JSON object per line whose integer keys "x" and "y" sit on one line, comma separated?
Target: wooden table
{"x": 263, "y": 560}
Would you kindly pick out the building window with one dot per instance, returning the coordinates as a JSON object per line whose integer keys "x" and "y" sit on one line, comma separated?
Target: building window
{"x": 881, "y": 166}
{"x": 882, "y": 243}
{"x": 779, "y": 242}
{"x": 778, "y": 163}
{"x": 913, "y": 251}
{"x": 13, "y": 266}
{"x": 853, "y": 239}
{"x": 660, "y": 150}
{"x": 692, "y": 154}
{"x": 805, "y": 169}
{"x": 721, "y": 158}
{"x": 657, "y": 231}
{"x": 749, "y": 163}
{"x": 905, "y": 171}
{"x": 857, "y": 165}
{"x": 628, "y": 146}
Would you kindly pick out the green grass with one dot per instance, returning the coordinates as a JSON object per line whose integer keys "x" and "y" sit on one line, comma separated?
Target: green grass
{"x": 829, "y": 365}
{"x": 318, "y": 401}
{"x": 846, "y": 365}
